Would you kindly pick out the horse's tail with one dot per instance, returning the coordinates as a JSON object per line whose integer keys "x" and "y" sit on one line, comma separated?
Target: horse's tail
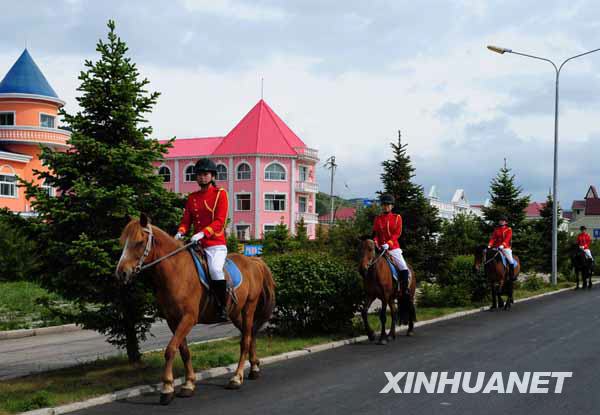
{"x": 266, "y": 303}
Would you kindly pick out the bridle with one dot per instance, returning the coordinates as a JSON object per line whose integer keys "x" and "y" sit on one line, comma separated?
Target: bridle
{"x": 374, "y": 261}
{"x": 141, "y": 266}
{"x": 492, "y": 258}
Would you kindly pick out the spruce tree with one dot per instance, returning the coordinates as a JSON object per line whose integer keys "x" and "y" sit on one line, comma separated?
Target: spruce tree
{"x": 421, "y": 223}
{"x": 506, "y": 199}
{"x": 105, "y": 176}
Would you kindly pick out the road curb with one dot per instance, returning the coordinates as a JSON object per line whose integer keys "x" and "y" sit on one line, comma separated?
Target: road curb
{"x": 224, "y": 370}
{"x": 18, "y": 334}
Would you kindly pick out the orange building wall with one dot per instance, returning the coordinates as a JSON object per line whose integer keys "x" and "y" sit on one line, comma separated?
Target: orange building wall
{"x": 28, "y": 111}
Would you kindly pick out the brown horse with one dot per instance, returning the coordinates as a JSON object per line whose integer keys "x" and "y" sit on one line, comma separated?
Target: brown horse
{"x": 378, "y": 281}
{"x": 184, "y": 301}
{"x": 497, "y": 275}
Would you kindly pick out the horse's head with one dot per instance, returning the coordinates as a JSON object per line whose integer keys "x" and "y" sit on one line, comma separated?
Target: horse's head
{"x": 480, "y": 256}
{"x": 136, "y": 241}
{"x": 366, "y": 255}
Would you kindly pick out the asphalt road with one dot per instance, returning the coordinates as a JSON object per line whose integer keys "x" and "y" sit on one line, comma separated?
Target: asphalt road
{"x": 19, "y": 357}
{"x": 557, "y": 333}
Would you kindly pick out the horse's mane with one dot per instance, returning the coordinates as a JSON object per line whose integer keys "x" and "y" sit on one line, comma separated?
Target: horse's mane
{"x": 135, "y": 232}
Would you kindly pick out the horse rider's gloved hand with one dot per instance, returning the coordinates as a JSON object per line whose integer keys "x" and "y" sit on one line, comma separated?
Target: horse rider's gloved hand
{"x": 197, "y": 237}
{"x": 178, "y": 236}
{"x": 501, "y": 247}
{"x": 580, "y": 247}
{"x": 489, "y": 247}
{"x": 385, "y": 247}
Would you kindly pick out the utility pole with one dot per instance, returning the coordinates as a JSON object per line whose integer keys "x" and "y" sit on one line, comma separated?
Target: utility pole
{"x": 331, "y": 165}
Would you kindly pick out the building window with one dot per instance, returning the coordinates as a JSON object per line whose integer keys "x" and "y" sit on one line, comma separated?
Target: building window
{"x": 302, "y": 204}
{"x": 274, "y": 171}
{"x": 165, "y": 172}
{"x": 244, "y": 172}
{"x": 8, "y": 185}
{"x": 190, "y": 176}
{"x": 303, "y": 173}
{"x": 243, "y": 202}
{"x": 275, "y": 202}
{"x": 49, "y": 189}
{"x": 47, "y": 120}
{"x": 221, "y": 172}
{"x": 7, "y": 118}
{"x": 268, "y": 228}
{"x": 243, "y": 232}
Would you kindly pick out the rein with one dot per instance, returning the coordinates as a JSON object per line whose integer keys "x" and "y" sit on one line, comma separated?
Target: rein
{"x": 141, "y": 266}
{"x": 492, "y": 258}
{"x": 373, "y": 261}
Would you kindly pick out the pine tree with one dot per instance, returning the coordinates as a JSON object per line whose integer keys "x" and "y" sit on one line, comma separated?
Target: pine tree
{"x": 105, "y": 176}
{"x": 301, "y": 233}
{"x": 420, "y": 220}
{"x": 506, "y": 199}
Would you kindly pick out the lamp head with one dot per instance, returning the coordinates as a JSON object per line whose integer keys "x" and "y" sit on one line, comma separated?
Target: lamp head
{"x": 499, "y": 50}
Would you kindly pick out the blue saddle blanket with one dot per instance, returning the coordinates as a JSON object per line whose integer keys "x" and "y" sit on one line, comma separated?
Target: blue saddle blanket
{"x": 231, "y": 268}
{"x": 392, "y": 268}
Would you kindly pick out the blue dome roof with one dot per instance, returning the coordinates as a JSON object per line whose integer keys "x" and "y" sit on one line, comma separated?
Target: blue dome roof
{"x": 25, "y": 77}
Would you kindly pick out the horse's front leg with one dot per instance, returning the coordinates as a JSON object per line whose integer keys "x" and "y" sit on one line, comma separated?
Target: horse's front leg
{"x": 383, "y": 319}
{"x": 577, "y": 279}
{"x": 187, "y": 390}
{"x": 509, "y": 296}
{"x": 494, "y": 297}
{"x": 365, "y": 317}
{"x": 394, "y": 314}
{"x": 245, "y": 342}
{"x": 183, "y": 328}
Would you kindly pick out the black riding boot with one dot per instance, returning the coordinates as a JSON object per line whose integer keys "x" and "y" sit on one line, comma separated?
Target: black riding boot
{"x": 404, "y": 282}
{"x": 404, "y": 305}
{"x": 220, "y": 287}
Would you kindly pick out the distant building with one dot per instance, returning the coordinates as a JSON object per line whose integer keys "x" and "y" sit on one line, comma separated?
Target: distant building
{"x": 344, "y": 213}
{"x": 533, "y": 212}
{"x": 28, "y": 117}
{"x": 459, "y": 204}
{"x": 586, "y": 212}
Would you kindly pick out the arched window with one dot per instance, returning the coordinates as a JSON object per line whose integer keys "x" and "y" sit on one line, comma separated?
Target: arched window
{"x": 221, "y": 172}
{"x": 244, "y": 172}
{"x": 190, "y": 176}
{"x": 275, "y": 171}
{"x": 165, "y": 172}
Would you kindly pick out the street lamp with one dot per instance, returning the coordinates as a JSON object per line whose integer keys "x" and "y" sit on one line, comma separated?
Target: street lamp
{"x": 554, "y": 190}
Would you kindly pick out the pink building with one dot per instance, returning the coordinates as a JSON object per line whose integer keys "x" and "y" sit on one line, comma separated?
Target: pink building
{"x": 267, "y": 170}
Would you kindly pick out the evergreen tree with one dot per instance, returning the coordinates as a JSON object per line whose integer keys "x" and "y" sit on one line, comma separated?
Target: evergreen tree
{"x": 461, "y": 235}
{"x": 421, "y": 223}
{"x": 276, "y": 241}
{"x": 543, "y": 228}
{"x": 301, "y": 233}
{"x": 105, "y": 176}
{"x": 506, "y": 199}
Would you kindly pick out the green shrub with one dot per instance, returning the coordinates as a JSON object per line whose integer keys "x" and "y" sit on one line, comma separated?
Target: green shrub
{"x": 460, "y": 274}
{"x": 18, "y": 259}
{"x": 316, "y": 292}
{"x": 436, "y": 295}
{"x": 533, "y": 283}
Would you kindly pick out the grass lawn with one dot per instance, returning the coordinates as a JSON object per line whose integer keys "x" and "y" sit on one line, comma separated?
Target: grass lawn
{"x": 108, "y": 375}
{"x": 19, "y": 308}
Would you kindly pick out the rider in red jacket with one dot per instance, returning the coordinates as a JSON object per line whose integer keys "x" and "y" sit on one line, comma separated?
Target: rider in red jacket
{"x": 584, "y": 241}
{"x": 501, "y": 239}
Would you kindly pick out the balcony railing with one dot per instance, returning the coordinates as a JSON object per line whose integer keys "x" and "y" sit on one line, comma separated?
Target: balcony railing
{"x": 307, "y": 187}
{"x": 307, "y": 153}
{"x": 308, "y": 217}
{"x": 34, "y": 134}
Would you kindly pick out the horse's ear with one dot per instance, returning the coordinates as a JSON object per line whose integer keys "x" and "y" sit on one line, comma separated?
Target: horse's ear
{"x": 128, "y": 218}
{"x": 144, "y": 220}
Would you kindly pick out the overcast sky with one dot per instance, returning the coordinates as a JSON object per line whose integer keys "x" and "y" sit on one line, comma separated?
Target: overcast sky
{"x": 346, "y": 75}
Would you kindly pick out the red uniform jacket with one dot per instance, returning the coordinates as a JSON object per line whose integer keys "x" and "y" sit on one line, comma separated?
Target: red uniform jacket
{"x": 583, "y": 239}
{"x": 387, "y": 229}
{"x": 207, "y": 211}
{"x": 502, "y": 236}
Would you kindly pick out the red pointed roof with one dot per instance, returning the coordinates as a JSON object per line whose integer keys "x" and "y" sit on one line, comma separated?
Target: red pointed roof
{"x": 192, "y": 147}
{"x": 261, "y": 131}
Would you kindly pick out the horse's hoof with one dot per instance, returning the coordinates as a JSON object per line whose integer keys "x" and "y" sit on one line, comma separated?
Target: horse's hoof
{"x": 185, "y": 393}
{"x": 492, "y": 308}
{"x": 166, "y": 398}
{"x": 233, "y": 385}
{"x": 382, "y": 342}
{"x": 371, "y": 337}
{"x": 254, "y": 374}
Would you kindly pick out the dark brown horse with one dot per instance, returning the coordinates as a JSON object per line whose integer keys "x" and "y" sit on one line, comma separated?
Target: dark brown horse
{"x": 378, "y": 281}
{"x": 497, "y": 275}
{"x": 184, "y": 301}
{"x": 582, "y": 265}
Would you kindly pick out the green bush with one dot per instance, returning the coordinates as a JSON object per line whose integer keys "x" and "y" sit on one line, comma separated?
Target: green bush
{"x": 316, "y": 292}
{"x": 460, "y": 274}
{"x": 436, "y": 295}
{"x": 18, "y": 259}
{"x": 533, "y": 283}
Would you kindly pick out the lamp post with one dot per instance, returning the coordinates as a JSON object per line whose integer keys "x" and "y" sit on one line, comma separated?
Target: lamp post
{"x": 555, "y": 174}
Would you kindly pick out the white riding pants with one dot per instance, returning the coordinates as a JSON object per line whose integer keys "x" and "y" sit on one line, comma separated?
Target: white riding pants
{"x": 216, "y": 256}
{"x": 588, "y": 253}
{"x": 508, "y": 254}
{"x": 396, "y": 254}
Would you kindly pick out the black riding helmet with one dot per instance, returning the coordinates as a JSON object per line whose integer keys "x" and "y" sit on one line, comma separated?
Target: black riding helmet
{"x": 386, "y": 199}
{"x": 503, "y": 217}
{"x": 582, "y": 228}
{"x": 204, "y": 165}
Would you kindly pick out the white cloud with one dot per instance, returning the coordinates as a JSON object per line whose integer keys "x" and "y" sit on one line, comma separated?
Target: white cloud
{"x": 235, "y": 9}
